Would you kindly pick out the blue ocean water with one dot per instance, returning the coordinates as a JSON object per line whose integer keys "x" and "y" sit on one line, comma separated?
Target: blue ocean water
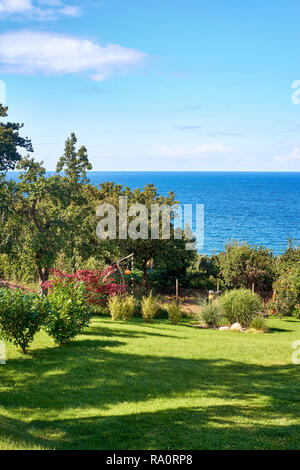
{"x": 261, "y": 208}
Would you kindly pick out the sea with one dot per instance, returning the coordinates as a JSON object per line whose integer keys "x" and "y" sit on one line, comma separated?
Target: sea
{"x": 262, "y": 208}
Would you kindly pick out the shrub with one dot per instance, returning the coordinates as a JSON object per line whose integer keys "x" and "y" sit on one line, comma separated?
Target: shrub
{"x": 115, "y": 307}
{"x": 210, "y": 313}
{"x": 241, "y": 306}
{"x": 69, "y": 311}
{"x": 243, "y": 264}
{"x": 174, "y": 312}
{"x": 296, "y": 311}
{"x": 21, "y": 317}
{"x": 259, "y": 323}
{"x": 100, "y": 285}
{"x": 18, "y": 267}
{"x": 290, "y": 258}
{"x": 287, "y": 289}
{"x": 149, "y": 308}
{"x": 127, "y": 308}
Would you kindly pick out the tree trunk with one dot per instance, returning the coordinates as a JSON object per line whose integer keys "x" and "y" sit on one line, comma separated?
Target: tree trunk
{"x": 144, "y": 280}
{"x": 43, "y": 274}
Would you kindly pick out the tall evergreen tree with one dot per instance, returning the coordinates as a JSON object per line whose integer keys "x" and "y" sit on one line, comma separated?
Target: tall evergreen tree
{"x": 10, "y": 142}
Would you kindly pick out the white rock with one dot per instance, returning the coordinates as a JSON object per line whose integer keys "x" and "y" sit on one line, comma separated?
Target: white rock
{"x": 236, "y": 327}
{"x": 224, "y": 328}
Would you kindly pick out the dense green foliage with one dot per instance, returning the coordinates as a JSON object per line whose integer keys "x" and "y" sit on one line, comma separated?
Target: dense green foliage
{"x": 287, "y": 283}
{"x": 69, "y": 311}
{"x": 21, "y": 317}
{"x": 287, "y": 288}
{"x": 242, "y": 265}
{"x": 47, "y": 219}
{"x": 204, "y": 273}
{"x": 290, "y": 258}
{"x": 169, "y": 257}
{"x": 241, "y": 306}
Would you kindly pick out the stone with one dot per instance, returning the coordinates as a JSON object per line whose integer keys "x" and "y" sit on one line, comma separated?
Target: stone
{"x": 236, "y": 327}
{"x": 224, "y": 328}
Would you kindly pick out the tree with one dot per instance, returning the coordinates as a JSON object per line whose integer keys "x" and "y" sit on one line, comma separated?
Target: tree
{"x": 290, "y": 258}
{"x": 241, "y": 265}
{"x": 287, "y": 288}
{"x": 41, "y": 214}
{"x": 50, "y": 221}
{"x": 287, "y": 284}
{"x": 10, "y": 141}
{"x": 74, "y": 163}
{"x": 169, "y": 256}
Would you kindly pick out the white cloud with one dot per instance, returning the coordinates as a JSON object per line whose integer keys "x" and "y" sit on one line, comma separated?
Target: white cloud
{"x": 38, "y": 9}
{"x": 292, "y": 156}
{"x": 201, "y": 150}
{"x": 14, "y": 6}
{"x": 70, "y": 11}
{"x": 42, "y": 53}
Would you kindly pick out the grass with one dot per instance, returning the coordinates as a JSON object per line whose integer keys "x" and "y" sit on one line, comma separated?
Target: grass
{"x": 158, "y": 386}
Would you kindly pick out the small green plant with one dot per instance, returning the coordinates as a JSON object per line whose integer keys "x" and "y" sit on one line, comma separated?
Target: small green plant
{"x": 241, "y": 306}
{"x": 21, "y": 317}
{"x": 259, "y": 323}
{"x": 149, "y": 307}
{"x": 69, "y": 311}
{"x": 115, "y": 307}
{"x": 127, "y": 308}
{"x": 174, "y": 312}
{"x": 210, "y": 313}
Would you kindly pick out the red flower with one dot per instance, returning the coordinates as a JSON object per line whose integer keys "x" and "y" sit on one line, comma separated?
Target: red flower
{"x": 100, "y": 285}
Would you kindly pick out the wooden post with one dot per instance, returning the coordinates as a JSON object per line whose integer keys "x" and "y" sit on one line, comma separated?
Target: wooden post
{"x": 119, "y": 267}
{"x": 253, "y": 288}
{"x": 177, "y": 294}
{"x": 274, "y": 298}
{"x": 218, "y": 286}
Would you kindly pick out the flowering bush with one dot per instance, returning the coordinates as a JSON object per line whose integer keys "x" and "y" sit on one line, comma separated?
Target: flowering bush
{"x": 100, "y": 285}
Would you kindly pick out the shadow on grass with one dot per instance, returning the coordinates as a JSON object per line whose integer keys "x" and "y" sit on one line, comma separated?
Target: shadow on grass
{"x": 85, "y": 378}
{"x": 212, "y": 427}
{"x": 278, "y": 330}
{"x": 113, "y": 332}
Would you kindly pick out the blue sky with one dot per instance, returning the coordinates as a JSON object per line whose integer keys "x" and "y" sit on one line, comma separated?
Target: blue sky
{"x": 156, "y": 85}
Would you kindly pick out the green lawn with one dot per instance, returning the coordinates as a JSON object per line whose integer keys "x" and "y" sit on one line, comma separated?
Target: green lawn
{"x": 138, "y": 386}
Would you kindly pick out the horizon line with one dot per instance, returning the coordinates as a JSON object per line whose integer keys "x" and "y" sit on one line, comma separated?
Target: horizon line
{"x": 178, "y": 171}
